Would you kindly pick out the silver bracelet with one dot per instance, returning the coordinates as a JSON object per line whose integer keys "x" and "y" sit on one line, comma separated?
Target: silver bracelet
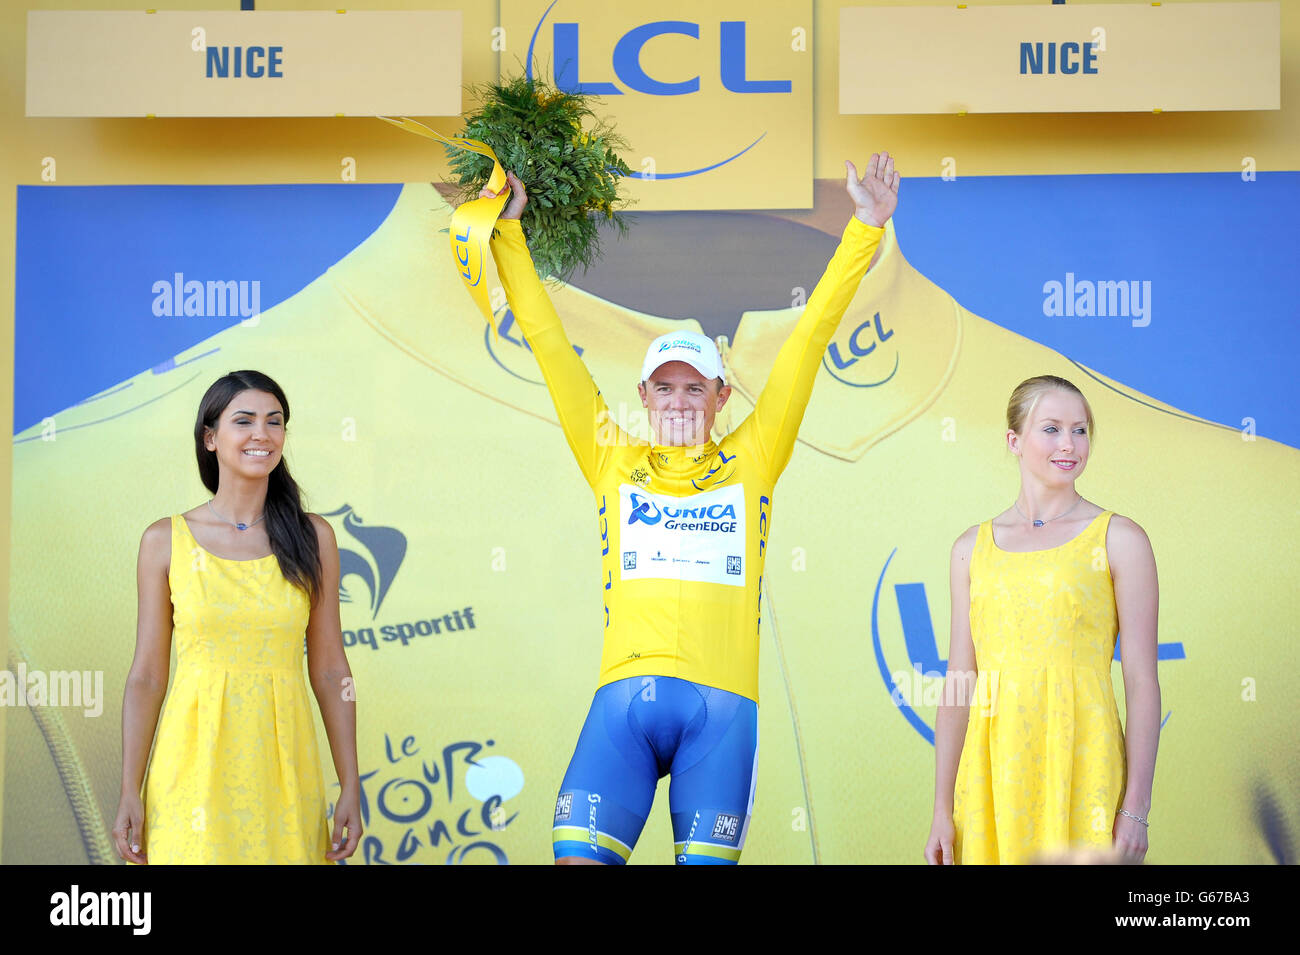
{"x": 1125, "y": 812}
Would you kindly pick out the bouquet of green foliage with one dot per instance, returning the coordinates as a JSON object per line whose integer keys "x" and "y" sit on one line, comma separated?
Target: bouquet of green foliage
{"x": 571, "y": 174}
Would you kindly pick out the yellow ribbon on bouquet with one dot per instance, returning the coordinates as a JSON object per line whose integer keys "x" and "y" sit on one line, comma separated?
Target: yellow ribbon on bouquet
{"x": 471, "y": 222}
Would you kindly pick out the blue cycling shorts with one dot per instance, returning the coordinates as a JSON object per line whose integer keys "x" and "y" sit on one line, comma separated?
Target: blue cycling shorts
{"x": 643, "y": 728}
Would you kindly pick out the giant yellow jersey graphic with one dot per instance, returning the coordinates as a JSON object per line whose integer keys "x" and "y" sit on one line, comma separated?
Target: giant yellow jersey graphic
{"x": 470, "y": 554}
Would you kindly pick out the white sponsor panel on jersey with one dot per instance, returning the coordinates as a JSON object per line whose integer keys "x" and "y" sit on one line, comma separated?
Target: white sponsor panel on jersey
{"x": 700, "y": 537}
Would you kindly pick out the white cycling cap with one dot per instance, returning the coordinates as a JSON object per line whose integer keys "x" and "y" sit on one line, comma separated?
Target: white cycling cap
{"x": 695, "y": 349}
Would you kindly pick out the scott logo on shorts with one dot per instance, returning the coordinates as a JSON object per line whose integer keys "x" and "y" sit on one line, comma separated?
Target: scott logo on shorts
{"x": 726, "y": 827}
{"x": 563, "y": 806}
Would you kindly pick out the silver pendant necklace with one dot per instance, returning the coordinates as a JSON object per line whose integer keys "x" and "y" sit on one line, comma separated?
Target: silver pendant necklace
{"x": 1038, "y": 523}
{"x": 236, "y": 524}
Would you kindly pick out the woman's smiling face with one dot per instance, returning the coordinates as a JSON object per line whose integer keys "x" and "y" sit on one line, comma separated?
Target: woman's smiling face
{"x": 249, "y": 437}
{"x": 1055, "y": 443}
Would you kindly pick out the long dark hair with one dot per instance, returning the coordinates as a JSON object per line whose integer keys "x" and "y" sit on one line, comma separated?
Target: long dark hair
{"x": 293, "y": 538}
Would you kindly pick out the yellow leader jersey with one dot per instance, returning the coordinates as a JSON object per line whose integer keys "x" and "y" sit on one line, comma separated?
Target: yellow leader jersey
{"x": 683, "y": 530}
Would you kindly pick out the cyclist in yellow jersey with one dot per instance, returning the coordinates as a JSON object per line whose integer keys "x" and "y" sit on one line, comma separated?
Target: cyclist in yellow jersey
{"x": 683, "y": 525}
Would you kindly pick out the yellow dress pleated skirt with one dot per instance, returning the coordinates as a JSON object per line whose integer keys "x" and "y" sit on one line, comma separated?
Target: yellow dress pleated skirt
{"x": 235, "y": 775}
{"x": 1042, "y": 766}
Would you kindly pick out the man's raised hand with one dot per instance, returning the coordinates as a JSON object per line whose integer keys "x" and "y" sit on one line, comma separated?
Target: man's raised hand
{"x": 518, "y": 196}
{"x": 875, "y": 194}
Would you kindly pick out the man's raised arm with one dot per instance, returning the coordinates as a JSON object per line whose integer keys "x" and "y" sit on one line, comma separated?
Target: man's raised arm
{"x": 582, "y": 411}
{"x": 779, "y": 409}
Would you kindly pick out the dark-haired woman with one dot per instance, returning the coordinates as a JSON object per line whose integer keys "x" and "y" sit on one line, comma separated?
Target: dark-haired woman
{"x": 235, "y": 584}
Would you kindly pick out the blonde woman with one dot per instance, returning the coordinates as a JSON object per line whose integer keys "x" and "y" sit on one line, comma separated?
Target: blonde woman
{"x": 1030, "y": 755}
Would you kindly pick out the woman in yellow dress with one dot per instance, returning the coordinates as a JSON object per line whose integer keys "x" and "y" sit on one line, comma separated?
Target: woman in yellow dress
{"x": 1030, "y": 757}
{"x": 236, "y": 584}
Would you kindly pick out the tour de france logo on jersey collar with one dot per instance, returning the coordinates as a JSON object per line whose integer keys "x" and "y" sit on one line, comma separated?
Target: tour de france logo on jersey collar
{"x": 640, "y": 477}
{"x": 722, "y": 471}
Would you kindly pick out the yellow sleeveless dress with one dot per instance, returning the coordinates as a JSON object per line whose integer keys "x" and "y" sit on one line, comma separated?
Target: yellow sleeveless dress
{"x": 1043, "y": 765}
{"x": 235, "y": 775}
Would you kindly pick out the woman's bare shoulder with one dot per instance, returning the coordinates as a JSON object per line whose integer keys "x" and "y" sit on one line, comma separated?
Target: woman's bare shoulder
{"x": 1126, "y": 535}
{"x": 964, "y": 545}
{"x": 156, "y": 543}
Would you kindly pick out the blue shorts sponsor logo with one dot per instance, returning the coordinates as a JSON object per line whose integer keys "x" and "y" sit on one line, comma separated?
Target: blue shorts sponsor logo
{"x": 563, "y": 806}
{"x": 726, "y": 827}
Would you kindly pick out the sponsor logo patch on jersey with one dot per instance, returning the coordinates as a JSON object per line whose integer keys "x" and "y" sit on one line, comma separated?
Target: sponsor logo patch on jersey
{"x": 697, "y": 537}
